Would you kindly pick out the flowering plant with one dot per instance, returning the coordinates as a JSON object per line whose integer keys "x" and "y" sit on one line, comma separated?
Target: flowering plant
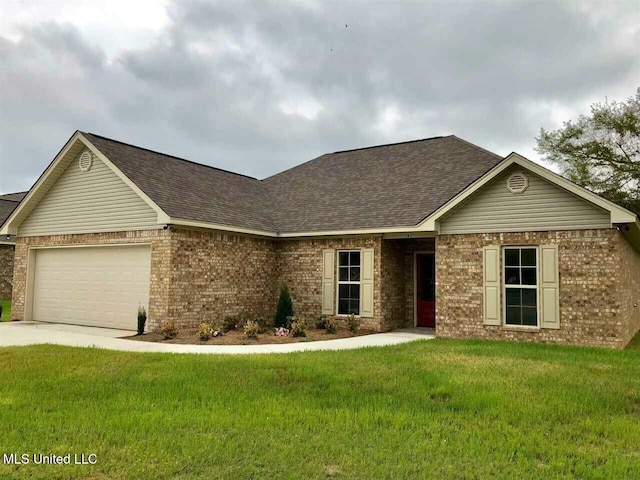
{"x": 281, "y": 332}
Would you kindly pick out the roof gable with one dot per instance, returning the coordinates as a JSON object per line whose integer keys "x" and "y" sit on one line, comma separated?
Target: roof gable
{"x": 96, "y": 200}
{"x": 541, "y": 206}
{"x": 76, "y": 144}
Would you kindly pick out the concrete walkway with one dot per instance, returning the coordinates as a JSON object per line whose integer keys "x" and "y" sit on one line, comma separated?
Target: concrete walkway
{"x": 32, "y": 333}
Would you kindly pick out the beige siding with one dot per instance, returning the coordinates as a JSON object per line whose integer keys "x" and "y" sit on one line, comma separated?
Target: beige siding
{"x": 85, "y": 202}
{"x": 542, "y": 206}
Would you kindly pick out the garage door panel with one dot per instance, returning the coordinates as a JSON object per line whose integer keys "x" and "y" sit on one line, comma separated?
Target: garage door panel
{"x": 97, "y": 286}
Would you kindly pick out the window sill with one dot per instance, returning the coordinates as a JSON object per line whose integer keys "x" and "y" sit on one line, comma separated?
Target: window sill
{"x": 520, "y": 328}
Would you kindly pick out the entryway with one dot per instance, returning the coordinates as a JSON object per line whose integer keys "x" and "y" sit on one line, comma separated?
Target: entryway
{"x": 425, "y": 289}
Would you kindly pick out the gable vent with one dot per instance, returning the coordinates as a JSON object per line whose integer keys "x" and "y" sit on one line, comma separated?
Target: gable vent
{"x": 85, "y": 161}
{"x": 517, "y": 183}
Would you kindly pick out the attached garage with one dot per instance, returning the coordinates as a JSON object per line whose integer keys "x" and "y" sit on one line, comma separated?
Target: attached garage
{"x": 96, "y": 286}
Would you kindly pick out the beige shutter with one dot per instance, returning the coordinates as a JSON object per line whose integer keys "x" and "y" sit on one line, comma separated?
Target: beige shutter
{"x": 549, "y": 287}
{"x": 328, "y": 283}
{"x": 366, "y": 283}
{"x": 491, "y": 285}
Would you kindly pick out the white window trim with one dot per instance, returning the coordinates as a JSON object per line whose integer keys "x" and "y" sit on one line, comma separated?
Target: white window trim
{"x": 505, "y": 287}
{"x": 339, "y": 282}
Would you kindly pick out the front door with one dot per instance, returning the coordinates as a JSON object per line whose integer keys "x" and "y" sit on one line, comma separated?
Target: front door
{"x": 425, "y": 290}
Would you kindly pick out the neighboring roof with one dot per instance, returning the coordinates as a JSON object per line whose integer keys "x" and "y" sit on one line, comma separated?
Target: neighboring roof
{"x": 6, "y": 208}
{"x": 383, "y": 186}
{"x": 376, "y": 187}
{"x": 13, "y": 197}
{"x": 8, "y": 203}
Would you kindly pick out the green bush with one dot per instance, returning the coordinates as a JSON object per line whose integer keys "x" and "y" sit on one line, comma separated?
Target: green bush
{"x": 353, "y": 323}
{"x": 330, "y": 325}
{"x": 230, "y": 323}
{"x": 264, "y": 324}
{"x": 298, "y": 327}
{"x": 169, "y": 329}
{"x": 142, "y": 318}
{"x": 205, "y": 331}
{"x": 320, "y": 323}
{"x": 251, "y": 329}
{"x": 285, "y": 308}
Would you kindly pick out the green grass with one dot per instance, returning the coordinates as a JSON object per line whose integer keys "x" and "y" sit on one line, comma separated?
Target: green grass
{"x": 6, "y": 310}
{"x": 435, "y": 409}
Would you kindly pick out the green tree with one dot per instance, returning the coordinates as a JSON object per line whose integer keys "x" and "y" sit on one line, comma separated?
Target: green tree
{"x": 600, "y": 151}
{"x": 285, "y": 308}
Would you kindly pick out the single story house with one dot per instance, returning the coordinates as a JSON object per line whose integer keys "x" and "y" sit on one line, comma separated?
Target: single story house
{"x": 8, "y": 203}
{"x": 436, "y": 232}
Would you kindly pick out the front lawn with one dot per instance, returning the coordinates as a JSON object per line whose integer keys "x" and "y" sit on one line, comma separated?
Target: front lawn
{"x": 428, "y": 409}
{"x": 6, "y": 310}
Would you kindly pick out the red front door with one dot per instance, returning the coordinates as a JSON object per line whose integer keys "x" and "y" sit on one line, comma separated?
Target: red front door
{"x": 425, "y": 290}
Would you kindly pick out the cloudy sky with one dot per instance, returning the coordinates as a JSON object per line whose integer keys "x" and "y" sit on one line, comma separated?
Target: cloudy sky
{"x": 256, "y": 87}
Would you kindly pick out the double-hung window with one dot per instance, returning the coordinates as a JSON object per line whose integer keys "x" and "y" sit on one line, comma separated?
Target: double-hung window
{"x": 521, "y": 286}
{"x": 349, "y": 282}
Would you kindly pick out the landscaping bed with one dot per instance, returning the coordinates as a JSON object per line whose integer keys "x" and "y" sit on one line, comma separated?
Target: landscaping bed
{"x": 237, "y": 337}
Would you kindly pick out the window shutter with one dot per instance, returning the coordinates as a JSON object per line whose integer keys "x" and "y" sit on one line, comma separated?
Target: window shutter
{"x": 549, "y": 287}
{"x": 491, "y": 285}
{"x": 328, "y": 281}
{"x": 366, "y": 283}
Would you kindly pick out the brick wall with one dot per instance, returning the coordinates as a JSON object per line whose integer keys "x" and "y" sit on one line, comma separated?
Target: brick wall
{"x": 299, "y": 265}
{"x": 215, "y": 275}
{"x": 160, "y": 265}
{"x": 628, "y": 296}
{"x": 591, "y": 279}
{"x": 6, "y": 271}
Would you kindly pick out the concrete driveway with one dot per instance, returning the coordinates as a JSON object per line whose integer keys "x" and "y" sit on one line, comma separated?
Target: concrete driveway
{"x": 33, "y": 333}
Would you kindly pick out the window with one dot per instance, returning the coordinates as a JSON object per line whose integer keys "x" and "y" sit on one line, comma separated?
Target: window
{"x": 521, "y": 286}
{"x": 349, "y": 283}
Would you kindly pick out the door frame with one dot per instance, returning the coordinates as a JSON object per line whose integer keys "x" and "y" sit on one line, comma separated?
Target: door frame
{"x": 415, "y": 283}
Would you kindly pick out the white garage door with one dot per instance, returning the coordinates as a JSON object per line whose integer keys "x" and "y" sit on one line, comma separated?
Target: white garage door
{"x": 97, "y": 286}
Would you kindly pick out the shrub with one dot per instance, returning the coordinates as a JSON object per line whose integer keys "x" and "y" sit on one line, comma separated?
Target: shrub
{"x": 169, "y": 329}
{"x": 353, "y": 323}
{"x": 251, "y": 329}
{"x": 290, "y": 319}
{"x": 320, "y": 323}
{"x": 285, "y": 308}
{"x": 298, "y": 327}
{"x": 281, "y": 332}
{"x": 230, "y": 323}
{"x": 218, "y": 331}
{"x": 142, "y": 318}
{"x": 265, "y": 325}
{"x": 330, "y": 325}
{"x": 205, "y": 332}
{"x": 0, "y": 311}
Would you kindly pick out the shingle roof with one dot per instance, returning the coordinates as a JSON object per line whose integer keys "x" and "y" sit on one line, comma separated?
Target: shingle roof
{"x": 14, "y": 197}
{"x": 386, "y": 186}
{"x": 188, "y": 190}
{"x": 6, "y": 207}
{"x": 393, "y": 185}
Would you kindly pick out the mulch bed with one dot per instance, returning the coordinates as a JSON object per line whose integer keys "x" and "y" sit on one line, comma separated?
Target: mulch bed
{"x": 236, "y": 337}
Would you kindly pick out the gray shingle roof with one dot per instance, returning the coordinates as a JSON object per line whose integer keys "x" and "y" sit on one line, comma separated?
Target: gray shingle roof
{"x": 14, "y": 197}
{"x": 393, "y": 185}
{"x": 6, "y": 207}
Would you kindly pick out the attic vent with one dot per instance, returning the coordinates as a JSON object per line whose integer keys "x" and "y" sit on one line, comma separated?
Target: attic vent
{"x": 517, "y": 183}
{"x": 85, "y": 161}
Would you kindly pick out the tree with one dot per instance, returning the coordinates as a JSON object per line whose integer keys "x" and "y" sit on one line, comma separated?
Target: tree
{"x": 285, "y": 307}
{"x": 600, "y": 152}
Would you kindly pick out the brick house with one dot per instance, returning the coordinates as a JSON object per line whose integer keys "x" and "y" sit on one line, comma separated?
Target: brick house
{"x": 8, "y": 203}
{"x": 436, "y": 233}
